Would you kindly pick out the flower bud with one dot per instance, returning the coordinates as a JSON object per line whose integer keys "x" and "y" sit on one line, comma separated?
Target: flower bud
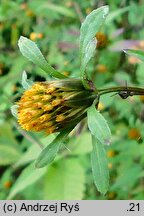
{"x": 54, "y": 106}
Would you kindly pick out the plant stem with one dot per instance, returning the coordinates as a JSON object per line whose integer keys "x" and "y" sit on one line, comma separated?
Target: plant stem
{"x": 131, "y": 90}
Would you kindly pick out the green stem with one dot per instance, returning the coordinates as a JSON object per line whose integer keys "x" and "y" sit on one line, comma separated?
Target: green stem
{"x": 132, "y": 90}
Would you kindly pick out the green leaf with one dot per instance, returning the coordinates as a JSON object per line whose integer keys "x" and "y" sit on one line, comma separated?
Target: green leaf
{"x": 8, "y": 155}
{"x": 98, "y": 125}
{"x": 49, "y": 153}
{"x": 30, "y": 50}
{"x": 27, "y": 177}
{"x": 26, "y": 84}
{"x": 65, "y": 181}
{"x": 89, "y": 28}
{"x": 89, "y": 53}
{"x": 136, "y": 53}
{"x": 99, "y": 166}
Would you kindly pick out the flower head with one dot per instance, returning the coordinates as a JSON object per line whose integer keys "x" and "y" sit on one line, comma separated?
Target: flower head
{"x": 53, "y": 106}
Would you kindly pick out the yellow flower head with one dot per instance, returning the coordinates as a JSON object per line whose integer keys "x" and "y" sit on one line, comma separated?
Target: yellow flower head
{"x": 53, "y": 106}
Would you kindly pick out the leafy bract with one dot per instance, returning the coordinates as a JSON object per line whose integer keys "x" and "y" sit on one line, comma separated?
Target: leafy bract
{"x": 49, "y": 153}
{"x": 98, "y": 125}
{"x": 89, "y": 28}
{"x": 14, "y": 110}
{"x": 30, "y": 50}
{"x": 26, "y": 84}
{"x": 99, "y": 166}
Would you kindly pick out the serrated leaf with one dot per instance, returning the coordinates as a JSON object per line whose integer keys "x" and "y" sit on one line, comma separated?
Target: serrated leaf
{"x": 136, "y": 53}
{"x": 27, "y": 177}
{"x": 49, "y": 153}
{"x": 65, "y": 181}
{"x": 8, "y": 155}
{"x": 89, "y": 28}
{"x": 98, "y": 125}
{"x": 99, "y": 166}
{"x": 26, "y": 84}
{"x": 30, "y": 50}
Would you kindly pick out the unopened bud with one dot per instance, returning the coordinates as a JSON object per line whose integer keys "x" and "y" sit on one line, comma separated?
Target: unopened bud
{"x": 54, "y": 106}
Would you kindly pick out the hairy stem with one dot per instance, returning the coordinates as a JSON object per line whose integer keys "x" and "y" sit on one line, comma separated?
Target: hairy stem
{"x": 130, "y": 90}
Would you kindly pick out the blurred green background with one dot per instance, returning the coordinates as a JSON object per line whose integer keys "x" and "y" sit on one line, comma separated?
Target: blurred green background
{"x": 54, "y": 26}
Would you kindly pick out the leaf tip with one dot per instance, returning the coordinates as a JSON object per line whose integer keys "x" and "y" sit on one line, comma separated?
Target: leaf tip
{"x": 125, "y": 50}
{"x": 106, "y": 10}
{"x": 104, "y": 192}
{"x": 24, "y": 75}
{"x": 37, "y": 165}
{"x": 21, "y": 40}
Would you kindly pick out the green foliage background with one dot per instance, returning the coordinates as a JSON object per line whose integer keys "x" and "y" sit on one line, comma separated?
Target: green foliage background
{"x": 54, "y": 25}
